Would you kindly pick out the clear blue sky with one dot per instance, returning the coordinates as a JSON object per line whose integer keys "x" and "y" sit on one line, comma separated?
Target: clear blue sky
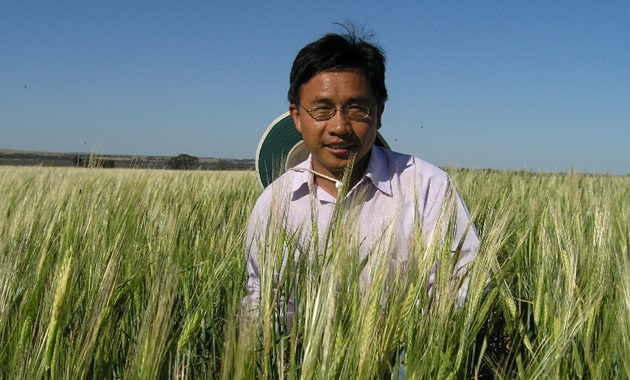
{"x": 537, "y": 85}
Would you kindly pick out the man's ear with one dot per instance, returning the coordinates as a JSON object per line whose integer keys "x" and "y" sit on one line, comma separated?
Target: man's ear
{"x": 379, "y": 115}
{"x": 295, "y": 115}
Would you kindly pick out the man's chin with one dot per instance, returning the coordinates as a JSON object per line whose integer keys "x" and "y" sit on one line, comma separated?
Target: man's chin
{"x": 336, "y": 166}
{"x": 336, "y": 170}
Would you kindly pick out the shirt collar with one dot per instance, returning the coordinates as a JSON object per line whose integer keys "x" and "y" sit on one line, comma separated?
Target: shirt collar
{"x": 377, "y": 172}
{"x": 301, "y": 180}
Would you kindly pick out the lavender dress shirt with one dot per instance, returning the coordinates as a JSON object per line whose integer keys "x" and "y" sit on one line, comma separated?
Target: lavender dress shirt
{"x": 398, "y": 192}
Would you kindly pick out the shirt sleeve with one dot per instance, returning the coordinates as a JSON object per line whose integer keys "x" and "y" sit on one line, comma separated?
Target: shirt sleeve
{"x": 444, "y": 205}
{"x": 256, "y": 224}
{"x": 263, "y": 259}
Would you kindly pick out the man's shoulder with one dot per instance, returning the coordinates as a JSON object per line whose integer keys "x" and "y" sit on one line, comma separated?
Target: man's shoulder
{"x": 283, "y": 183}
{"x": 284, "y": 187}
{"x": 408, "y": 165}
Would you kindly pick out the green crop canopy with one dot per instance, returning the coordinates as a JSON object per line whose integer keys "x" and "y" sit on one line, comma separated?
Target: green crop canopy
{"x": 281, "y": 147}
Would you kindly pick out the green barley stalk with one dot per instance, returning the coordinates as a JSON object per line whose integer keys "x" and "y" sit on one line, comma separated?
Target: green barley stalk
{"x": 56, "y": 314}
{"x": 556, "y": 247}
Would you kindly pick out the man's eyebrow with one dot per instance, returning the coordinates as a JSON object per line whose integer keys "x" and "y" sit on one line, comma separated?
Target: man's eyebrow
{"x": 357, "y": 101}
{"x": 328, "y": 101}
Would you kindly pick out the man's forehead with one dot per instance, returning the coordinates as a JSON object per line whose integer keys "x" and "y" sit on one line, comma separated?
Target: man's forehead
{"x": 323, "y": 86}
{"x": 338, "y": 71}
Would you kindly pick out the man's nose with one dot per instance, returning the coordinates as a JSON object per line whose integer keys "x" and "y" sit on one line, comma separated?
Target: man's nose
{"x": 340, "y": 123}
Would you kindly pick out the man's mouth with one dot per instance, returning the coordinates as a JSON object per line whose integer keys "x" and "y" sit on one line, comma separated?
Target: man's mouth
{"x": 340, "y": 150}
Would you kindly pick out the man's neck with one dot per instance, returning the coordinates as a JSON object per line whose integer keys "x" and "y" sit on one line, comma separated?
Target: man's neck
{"x": 358, "y": 171}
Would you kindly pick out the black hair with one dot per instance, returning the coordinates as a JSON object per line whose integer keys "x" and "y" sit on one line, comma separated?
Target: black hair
{"x": 339, "y": 52}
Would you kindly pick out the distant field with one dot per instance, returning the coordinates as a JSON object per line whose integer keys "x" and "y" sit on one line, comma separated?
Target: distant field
{"x": 139, "y": 274}
{"x": 52, "y": 159}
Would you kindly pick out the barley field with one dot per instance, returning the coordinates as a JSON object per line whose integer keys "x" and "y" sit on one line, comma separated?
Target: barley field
{"x": 140, "y": 274}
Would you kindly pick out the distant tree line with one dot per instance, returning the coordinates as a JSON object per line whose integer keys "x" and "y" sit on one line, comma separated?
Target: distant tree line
{"x": 92, "y": 162}
{"x": 187, "y": 162}
{"x": 183, "y": 162}
{"x": 87, "y": 160}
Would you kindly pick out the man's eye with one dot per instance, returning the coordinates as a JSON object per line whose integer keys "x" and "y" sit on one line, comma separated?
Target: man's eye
{"x": 357, "y": 111}
{"x": 322, "y": 110}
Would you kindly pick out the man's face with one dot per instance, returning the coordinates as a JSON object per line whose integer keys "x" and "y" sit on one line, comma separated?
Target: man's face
{"x": 332, "y": 142}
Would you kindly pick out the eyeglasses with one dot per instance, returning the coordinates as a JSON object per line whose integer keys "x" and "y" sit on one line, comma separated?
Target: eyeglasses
{"x": 352, "y": 111}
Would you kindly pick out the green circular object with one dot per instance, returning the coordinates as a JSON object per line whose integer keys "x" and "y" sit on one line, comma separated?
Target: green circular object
{"x": 281, "y": 147}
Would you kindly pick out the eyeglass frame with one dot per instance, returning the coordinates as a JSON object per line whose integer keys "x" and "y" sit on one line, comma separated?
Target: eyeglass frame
{"x": 344, "y": 110}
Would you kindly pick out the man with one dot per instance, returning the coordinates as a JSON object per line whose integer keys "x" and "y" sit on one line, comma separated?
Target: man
{"x": 337, "y": 98}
